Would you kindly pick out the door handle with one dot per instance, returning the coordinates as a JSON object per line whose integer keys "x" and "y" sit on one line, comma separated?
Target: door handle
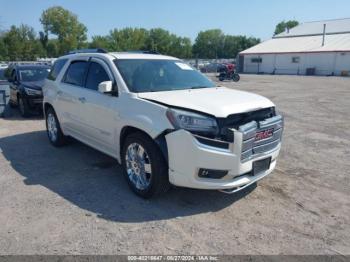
{"x": 59, "y": 92}
{"x": 82, "y": 99}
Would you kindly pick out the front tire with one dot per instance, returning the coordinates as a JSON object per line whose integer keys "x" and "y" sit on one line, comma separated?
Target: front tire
{"x": 23, "y": 107}
{"x": 12, "y": 104}
{"x": 53, "y": 129}
{"x": 145, "y": 168}
{"x": 236, "y": 77}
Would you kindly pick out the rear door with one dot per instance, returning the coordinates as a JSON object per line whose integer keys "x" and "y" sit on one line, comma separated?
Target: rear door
{"x": 70, "y": 96}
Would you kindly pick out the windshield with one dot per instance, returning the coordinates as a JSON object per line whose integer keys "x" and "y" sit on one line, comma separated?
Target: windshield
{"x": 145, "y": 75}
{"x": 33, "y": 74}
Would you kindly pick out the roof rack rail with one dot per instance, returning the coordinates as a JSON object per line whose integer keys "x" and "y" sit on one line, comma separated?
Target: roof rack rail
{"x": 143, "y": 52}
{"x": 96, "y": 50}
{"x": 12, "y": 63}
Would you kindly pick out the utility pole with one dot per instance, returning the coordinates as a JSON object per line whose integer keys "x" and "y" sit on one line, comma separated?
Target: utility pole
{"x": 324, "y": 34}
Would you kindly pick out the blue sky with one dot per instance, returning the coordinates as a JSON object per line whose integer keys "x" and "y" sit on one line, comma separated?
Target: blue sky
{"x": 183, "y": 17}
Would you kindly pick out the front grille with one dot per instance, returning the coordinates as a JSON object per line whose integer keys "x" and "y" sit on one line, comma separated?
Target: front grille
{"x": 236, "y": 120}
{"x": 252, "y": 148}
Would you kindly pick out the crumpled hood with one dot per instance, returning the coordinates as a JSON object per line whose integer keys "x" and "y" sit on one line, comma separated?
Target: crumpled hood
{"x": 37, "y": 85}
{"x": 219, "y": 102}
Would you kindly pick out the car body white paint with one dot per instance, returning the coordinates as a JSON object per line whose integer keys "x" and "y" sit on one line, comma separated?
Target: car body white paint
{"x": 98, "y": 122}
{"x": 219, "y": 101}
{"x": 187, "y": 155}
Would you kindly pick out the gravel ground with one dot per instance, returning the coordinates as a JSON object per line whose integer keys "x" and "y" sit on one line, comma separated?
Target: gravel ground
{"x": 74, "y": 200}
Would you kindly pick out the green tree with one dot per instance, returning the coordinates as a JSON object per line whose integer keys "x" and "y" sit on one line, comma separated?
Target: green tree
{"x": 232, "y": 45}
{"x": 180, "y": 47}
{"x": 21, "y": 43}
{"x": 101, "y": 42}
{"x": 209, "y": 44}
{"x": 3, "y": 49}
{"x": 247, "y": 42}
{"x": 159, "y": 40}
{"x": 52, "y": 48}
{"x": 128, "y": 39}
{"x": 215, "y": 44}
{"x": 71, "y": 34}
{"x": 156, "y": 39}
{"x": 282, "y": 26}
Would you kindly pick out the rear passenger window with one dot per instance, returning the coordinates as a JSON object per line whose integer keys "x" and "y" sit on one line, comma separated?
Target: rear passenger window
{"x": 96, "y": 75}
{"x": 56, "y": 69}
{"x": 76, "y": 73}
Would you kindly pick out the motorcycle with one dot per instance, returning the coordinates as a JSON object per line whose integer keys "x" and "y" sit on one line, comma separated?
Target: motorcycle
{"x": 229, "y": 76}
{"x": 227, "y": 72}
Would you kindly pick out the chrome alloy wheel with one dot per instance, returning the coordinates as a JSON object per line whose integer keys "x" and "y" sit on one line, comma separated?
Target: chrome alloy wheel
{"x": 138, "y": 166}
{"x": 51, "y": 127}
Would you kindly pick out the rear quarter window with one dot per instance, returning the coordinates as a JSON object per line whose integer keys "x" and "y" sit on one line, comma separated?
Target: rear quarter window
{"x": 56, "y": 69}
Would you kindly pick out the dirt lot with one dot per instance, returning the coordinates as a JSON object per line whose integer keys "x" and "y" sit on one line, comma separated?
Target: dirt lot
{"x": 74, "y": 200}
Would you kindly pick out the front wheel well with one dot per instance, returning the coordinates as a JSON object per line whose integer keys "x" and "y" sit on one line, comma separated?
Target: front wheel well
{"x": 128, "y": 130}
{"x": 46, "y": 107}
{"x": 159, "y": 141}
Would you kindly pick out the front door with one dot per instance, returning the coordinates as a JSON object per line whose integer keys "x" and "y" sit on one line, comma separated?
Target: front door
{"x": 98, "y": 109}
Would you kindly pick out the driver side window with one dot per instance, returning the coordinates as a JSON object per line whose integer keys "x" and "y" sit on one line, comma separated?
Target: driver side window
{"x": 96, "y": 75}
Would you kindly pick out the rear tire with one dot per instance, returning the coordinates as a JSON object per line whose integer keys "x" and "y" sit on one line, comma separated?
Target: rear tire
{"x": 145, "y": 168}
{"x": 53, "y": 129}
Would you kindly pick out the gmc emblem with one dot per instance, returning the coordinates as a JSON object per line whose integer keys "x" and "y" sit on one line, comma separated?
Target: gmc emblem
{"x": 264, "y": 134}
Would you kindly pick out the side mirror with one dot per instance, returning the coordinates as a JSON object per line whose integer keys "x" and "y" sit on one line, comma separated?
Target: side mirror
{"x": 105, "y": 87}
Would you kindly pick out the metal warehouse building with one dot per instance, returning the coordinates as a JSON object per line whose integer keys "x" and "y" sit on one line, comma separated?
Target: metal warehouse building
{"x": 320, "y": 48}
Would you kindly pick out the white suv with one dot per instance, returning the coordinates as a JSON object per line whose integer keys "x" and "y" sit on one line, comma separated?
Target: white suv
{"x": 164, "y": 121}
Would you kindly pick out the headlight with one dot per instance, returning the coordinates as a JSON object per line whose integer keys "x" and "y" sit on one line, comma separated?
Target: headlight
{"x": 32, "y": 92}
{"x": 190, "y": 121}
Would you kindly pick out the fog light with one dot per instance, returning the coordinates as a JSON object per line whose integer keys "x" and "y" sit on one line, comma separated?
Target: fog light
{"x": 211, "y": 173}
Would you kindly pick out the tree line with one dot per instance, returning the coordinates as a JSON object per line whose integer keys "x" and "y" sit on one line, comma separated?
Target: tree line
{"x": 62, "y": 32}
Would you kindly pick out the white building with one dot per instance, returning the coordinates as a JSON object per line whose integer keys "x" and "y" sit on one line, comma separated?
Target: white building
{"x": 321, "y": 48}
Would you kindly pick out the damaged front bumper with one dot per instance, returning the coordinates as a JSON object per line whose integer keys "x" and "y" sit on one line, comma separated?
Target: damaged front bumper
{"x": 224, "y": 166}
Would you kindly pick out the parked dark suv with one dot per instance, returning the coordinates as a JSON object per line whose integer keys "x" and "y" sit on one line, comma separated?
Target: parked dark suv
{"x": 26, "y": 83}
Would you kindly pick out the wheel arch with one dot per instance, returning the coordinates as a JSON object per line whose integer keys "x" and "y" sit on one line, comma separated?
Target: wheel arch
{"x": 46, "y": 107}
{"x": 160, "y": 140}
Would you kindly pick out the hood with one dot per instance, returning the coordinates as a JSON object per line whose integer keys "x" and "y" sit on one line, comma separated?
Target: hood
{"x": 37, "y": 85}
{"x": 219, "y": 102}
